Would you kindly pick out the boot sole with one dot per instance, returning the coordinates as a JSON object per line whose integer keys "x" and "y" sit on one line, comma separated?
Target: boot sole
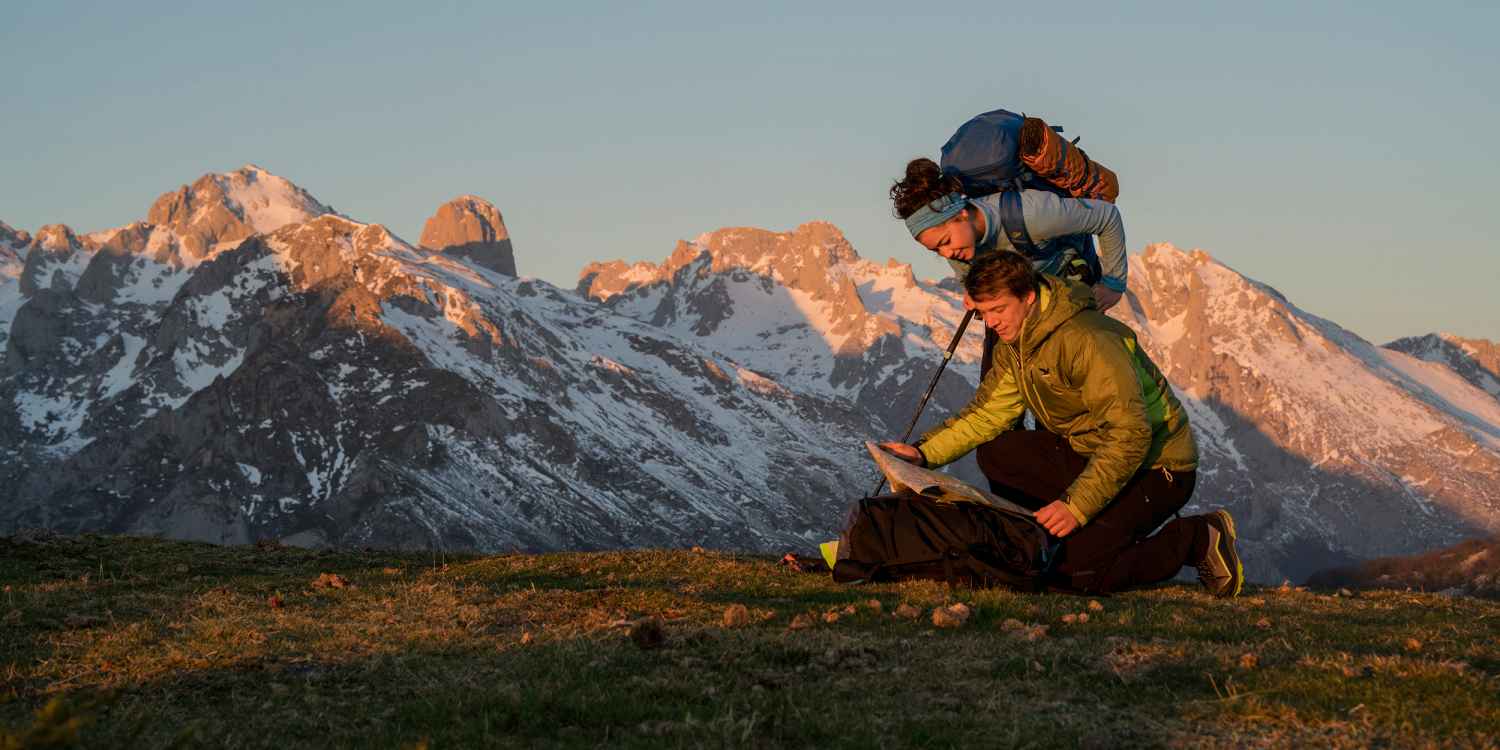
{"x": 1234, "y": 554}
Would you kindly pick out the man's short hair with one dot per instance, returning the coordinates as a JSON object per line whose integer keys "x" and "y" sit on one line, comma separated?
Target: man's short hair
{"x": 1001, "y": 271}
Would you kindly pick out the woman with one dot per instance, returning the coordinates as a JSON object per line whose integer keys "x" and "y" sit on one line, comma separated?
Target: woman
{"x": 942, "y": 220}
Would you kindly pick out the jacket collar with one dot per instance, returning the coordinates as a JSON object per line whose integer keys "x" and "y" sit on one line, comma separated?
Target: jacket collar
{"x": 1058, "y": 301}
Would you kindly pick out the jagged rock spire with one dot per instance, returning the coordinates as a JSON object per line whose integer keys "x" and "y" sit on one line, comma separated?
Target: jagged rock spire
{"x": 471, "y": 227}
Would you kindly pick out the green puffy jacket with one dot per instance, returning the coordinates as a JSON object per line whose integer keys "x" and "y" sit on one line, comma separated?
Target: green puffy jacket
{"x": 1085, "y": 378}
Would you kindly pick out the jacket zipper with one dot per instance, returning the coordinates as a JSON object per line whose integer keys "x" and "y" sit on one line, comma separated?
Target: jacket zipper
{"x": 1021, "y": 377}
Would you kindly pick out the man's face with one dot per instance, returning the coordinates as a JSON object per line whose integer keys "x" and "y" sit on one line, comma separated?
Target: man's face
{"x": 1004, "y": 313}
{"x": 953, "y": 239}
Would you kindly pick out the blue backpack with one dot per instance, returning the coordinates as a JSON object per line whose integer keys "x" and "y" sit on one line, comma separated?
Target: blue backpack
{"x": 985, "y": 155}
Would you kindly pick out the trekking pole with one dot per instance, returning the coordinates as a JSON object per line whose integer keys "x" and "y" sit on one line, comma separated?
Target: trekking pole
{"x": 947, "y": 355}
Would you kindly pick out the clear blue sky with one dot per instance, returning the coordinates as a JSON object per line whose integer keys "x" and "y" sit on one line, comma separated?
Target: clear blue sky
{"x": 1345, "y": 153}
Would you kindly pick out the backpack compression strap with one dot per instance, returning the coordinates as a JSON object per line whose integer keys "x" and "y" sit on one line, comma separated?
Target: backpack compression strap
{"x": 1013, "y": 223}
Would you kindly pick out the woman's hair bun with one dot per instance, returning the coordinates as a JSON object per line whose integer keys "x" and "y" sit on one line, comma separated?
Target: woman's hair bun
{"x": 924, "y": 182}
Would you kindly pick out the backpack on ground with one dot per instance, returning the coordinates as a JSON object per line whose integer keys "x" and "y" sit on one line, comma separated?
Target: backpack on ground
{"x": 909, "y": 536}
{"x": 1003, "y": 152}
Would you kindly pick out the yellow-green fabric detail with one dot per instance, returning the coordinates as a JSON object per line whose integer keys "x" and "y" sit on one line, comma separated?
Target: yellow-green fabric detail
{"x": 1156, "y": 406}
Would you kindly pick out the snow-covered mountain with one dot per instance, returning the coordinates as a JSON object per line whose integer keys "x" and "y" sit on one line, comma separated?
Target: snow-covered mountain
{"x": 1475, "y": 360}
{"x": 807, "y": 310}
{"x": 323, "y": 381}
{"x": 249, "y": 364}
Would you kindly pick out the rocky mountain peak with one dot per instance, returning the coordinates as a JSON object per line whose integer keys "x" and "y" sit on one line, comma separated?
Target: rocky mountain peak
{"x": 815, "y": 246}
{"x": 1475, "y": 360}
{"x": 220, "y": 209}
{"x": 471, "y": 227}
{"x": 329, "y": 246}
{"x": 801, "y": 259}
{"x": 12, "y": 237}
{"x": 13, "y": 246}
{"x": 54, "y": 259}
{"x": 57, "y": 238}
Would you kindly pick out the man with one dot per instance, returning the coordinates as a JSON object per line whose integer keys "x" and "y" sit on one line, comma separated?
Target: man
{"x": 1113, "y": 457}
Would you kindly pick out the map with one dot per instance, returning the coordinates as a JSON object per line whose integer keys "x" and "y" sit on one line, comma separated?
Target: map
{"x": 936, "y": 485}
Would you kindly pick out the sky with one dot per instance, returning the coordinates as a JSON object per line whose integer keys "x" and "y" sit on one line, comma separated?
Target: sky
{"x": 1343, "y": 153}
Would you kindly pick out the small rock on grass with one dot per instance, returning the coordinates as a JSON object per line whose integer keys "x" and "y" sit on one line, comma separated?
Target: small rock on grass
{"x": 80, "y": 621}
{"x": 908, "y": 612}
{"x": 736, "y": 616}
{"x": 331, "y": 581}
{"x": 1024, "y": 631}
{"x": 951, "y": 616}
{"x": 646, "y": 632}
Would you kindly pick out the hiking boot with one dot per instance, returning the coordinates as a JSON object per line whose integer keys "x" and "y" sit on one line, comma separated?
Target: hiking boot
{"x": 1220, "y": 570}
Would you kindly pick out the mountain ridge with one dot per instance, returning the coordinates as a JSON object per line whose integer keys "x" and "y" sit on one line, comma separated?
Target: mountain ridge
{"x": 326, "y": 383}
{"x": 510, "y": 414}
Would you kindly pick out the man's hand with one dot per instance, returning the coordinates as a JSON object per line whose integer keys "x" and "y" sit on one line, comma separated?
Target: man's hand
{"x": 907, "y": 453}
{"x": 1105, "y": 297}
{"x": 1057, "y": 519}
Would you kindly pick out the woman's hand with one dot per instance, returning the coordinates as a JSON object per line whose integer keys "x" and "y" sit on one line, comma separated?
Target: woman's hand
{"x": 907, "y": 453}
{"x": 1106, "y": 297}
{"x": 1057, "y": 519}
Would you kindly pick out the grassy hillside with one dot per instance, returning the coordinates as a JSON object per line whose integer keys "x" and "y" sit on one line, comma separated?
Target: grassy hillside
{"x": 121, "y": 642}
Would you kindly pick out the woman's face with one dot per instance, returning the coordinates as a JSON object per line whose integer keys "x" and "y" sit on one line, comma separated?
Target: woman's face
{"x": 953, "y": 239}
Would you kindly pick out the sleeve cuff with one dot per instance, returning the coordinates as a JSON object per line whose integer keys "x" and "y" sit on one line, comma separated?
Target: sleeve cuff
{"x": 1078, "y": 514}
{"x": 1114, "y": 284}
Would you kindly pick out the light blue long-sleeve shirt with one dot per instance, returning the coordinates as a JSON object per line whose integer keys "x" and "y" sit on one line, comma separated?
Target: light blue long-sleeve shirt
{"x": 1049, "y": 216}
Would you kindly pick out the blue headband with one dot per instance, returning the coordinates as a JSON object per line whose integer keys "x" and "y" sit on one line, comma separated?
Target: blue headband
{"x": 935, "y": 213}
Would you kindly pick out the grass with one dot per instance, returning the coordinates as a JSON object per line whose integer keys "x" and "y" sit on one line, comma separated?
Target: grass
{"x": 132, "y": 642}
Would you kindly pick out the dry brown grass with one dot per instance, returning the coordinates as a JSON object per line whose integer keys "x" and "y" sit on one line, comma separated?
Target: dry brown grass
{"x": 137, "y": 642}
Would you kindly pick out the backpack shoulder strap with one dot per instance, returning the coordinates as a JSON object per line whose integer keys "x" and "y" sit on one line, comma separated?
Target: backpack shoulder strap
{"x": 1013, "y": 223}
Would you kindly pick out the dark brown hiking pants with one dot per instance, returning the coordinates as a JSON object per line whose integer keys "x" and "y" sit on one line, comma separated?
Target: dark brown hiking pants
{"x": 1116, "y": 549}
